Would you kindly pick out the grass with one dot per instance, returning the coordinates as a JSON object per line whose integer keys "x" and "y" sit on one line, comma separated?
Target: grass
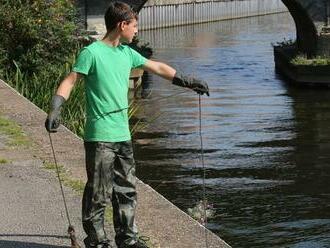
{"x": 3, "y": 161}
{"x": 76, "y": 185}
{"x": 303, "y": 60}
{"x": 14, "y": 132}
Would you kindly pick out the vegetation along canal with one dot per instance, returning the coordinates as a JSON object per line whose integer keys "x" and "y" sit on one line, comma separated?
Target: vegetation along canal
{"x": 267, "y": 144}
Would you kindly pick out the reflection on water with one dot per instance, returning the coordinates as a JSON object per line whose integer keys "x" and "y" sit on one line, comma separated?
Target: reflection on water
{"x": 266, "y": 144}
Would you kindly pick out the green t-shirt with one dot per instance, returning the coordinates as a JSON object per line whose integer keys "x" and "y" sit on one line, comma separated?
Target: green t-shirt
{"x": 107, "y": 71}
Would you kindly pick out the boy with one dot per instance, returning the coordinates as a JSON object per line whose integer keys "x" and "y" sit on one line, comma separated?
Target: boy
{"x": 105, "y": 66}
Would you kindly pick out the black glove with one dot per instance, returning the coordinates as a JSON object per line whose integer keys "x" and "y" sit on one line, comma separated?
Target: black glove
{"x": 197, "y": 85}
{"x": 53, "y": 119}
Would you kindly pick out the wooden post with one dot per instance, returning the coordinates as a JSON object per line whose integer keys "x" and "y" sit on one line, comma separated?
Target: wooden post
{"x": 136, "y": 78}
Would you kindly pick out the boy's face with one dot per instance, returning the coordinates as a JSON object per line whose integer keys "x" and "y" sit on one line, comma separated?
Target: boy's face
{"x": 128, "y": 30}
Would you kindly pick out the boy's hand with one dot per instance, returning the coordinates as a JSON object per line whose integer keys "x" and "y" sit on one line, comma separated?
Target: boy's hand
{"x": 53, "y": 119}
{"x": 197, "y": 85}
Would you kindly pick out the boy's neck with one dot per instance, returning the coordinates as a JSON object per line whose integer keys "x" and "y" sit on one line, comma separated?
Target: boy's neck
{"x": 111, "y": 39}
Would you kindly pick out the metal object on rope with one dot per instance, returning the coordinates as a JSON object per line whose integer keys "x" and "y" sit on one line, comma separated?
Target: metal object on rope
{"x": 71, "y": 231}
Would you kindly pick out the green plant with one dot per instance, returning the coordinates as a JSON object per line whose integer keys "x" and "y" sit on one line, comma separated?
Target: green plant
{"x": 285, "y": 43}
{"x": 144, "y": 49}
{"x": 35, "y": 33}
{"x": 302, "y": 59}
{"x": 3, "y": 161}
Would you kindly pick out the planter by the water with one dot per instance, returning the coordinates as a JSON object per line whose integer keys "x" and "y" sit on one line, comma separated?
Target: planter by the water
{"x": 318, "y": 75}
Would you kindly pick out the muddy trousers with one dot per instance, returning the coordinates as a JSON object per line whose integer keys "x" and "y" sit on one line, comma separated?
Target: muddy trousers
{"x": 111, "y": 178}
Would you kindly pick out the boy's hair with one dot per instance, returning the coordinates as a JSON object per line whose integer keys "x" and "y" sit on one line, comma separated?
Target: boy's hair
{"x": 118, "y": 12}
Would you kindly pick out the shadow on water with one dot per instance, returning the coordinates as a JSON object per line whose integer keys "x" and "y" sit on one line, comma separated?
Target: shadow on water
{"x": 292, "y": 207}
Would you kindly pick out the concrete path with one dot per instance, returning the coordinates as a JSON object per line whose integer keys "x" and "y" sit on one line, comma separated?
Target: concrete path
{"x": 32, "y": 213}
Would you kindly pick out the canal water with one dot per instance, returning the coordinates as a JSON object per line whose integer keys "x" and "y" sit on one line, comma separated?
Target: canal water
{"x": 266, "y": 143}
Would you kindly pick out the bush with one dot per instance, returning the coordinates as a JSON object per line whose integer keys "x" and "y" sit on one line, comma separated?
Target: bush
{"x": 36, "y": 33}
{"x": 39, "y": 41}
{"x": 144, "y": 49}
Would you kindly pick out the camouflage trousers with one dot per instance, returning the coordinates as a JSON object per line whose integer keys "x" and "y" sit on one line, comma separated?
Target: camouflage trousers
{"x": 110, "y": 178}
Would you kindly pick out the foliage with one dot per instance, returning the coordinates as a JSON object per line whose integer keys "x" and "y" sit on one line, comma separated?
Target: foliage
{"x": 35, "y": 33}
{"x": 285, "y": 43}
{"x": 144, "y": 49}
{"x": 38, "y": 48}
{"x": 302, "y": 59}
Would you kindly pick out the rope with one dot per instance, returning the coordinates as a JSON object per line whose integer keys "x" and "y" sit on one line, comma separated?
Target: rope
{"x": 59, "y": 179}
{"x": 202, "y": 158}
{"x": 143, "y": 101}
{"x": 204, "y": 172}
{"x": 166, "y": 97}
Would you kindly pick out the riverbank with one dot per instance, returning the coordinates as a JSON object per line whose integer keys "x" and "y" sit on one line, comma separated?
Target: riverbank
{"x": 157, "y": 218}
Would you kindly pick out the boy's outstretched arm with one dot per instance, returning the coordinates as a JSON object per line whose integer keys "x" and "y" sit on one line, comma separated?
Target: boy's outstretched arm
{"x": 169, "y": 73}
{"x": 159, "y": 68}
{"x": 62, "y": 94}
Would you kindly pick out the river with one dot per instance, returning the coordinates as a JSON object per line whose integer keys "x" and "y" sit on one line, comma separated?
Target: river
{"x": 266, "y": 143}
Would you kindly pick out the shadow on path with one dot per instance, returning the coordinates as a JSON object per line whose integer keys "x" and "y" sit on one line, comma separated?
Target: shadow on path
{"x": 19, "y": 244}
{"x": 22, "y": 244}
{"x": 34, "y": 235}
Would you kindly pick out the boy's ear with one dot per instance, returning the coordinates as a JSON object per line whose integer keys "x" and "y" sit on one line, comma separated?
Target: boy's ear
{"x": 121, "y": 25}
